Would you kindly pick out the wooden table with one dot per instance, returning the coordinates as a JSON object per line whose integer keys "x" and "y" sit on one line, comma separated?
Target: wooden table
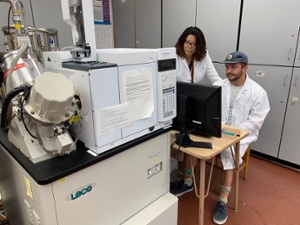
{"x": 219, "y": 145}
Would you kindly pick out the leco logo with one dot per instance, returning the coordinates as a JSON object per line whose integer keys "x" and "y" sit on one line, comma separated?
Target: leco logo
{"x": 81, "y": 191}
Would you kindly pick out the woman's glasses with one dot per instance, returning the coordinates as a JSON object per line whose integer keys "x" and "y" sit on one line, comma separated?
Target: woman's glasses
{"x": 187, "y": 43}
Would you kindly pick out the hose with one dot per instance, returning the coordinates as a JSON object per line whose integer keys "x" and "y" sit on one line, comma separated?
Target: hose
{"x": 7, "y": 99}
{"x": 13, "y": 64}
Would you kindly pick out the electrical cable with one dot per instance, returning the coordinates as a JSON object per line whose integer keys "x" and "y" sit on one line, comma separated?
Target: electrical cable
{"x": 21, "y": 4}
{"x": 6, "y": 103}
{"x": 32, "y": 13}
{"x": 8, "y": 22}
{"x": 22, "y": 118}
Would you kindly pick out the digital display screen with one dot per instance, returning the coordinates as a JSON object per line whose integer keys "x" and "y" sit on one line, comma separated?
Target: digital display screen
{"x": 167, "y": 64}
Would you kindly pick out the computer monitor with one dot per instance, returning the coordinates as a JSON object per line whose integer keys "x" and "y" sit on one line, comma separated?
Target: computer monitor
{"x": 199, "y": 111}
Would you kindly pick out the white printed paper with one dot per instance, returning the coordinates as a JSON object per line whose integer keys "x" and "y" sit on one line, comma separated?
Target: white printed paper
{"x": 138, "y": 90}
{"x": 114, "y": 118}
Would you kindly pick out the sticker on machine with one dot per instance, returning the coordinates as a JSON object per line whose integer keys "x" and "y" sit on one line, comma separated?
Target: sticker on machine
{"x": 260, "y": 73}
{"x": 17, "y": 67}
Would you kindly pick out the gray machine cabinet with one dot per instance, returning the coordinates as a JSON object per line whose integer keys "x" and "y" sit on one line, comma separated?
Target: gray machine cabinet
{"x": 275, "y": 80}
{"x": 177, "y": 15}
{"x": 289, "y": 149}
{"x": 269, "y": 31}
{"x": 137, "y": 23}
{"x": 220, "y": 27}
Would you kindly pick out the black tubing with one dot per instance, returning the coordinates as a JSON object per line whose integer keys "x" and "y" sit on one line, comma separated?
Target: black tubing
{"x": 8, "y": 98}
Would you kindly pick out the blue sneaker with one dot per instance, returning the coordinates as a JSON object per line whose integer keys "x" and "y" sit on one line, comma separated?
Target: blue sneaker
{"x": 221, "y": 214}
{"x": 181, "y": 189}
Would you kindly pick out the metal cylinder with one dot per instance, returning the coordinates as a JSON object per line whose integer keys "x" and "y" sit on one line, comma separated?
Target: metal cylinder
{"x": 25, "y": 71}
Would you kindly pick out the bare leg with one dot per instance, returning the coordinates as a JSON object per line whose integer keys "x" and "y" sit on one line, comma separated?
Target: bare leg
{"x": 227, "y": 177}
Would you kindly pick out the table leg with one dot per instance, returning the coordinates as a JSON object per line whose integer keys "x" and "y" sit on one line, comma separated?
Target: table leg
{"x": 236, "y": 176}
{"x": 201, "y": 191}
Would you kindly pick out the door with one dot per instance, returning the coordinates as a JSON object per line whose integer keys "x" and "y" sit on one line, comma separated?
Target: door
{"x": 148, "y": 23}
{"x": 137, "y": 23}
{"x": 124, "y": 28}
{"x": 275, "y": 80}
{"x": 177, "y": 15}
{"x": 220, "y": 27}
{"x": 289, "y": 149}
{"x": 269, "y": 31}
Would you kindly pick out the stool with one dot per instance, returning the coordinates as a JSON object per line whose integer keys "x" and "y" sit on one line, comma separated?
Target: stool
{"x": 245, "y": 162}
{"x": 244, "y": 165}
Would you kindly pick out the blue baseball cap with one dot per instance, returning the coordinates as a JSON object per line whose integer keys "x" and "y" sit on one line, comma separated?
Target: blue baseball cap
{"x": 236, "y": 57}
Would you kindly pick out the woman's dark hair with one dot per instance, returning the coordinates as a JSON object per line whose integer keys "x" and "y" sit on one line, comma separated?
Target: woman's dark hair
{"x": 200, "y": 52}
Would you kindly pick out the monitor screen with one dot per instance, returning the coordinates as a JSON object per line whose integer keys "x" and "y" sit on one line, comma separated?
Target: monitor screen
{"x": 199, "y": 110}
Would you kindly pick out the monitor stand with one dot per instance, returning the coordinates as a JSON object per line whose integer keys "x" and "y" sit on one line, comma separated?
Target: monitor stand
{"x": 183, "y": 139}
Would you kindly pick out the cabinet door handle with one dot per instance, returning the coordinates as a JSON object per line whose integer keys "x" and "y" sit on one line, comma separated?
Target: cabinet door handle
{"x": 289, "y": 52}
{"x": 296, "y": 80}
{"x": 284, "y": 77}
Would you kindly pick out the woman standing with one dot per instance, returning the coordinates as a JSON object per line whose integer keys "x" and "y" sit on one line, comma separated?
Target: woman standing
{"x": 193, "y": 59}
{"x": 193, "y": 63}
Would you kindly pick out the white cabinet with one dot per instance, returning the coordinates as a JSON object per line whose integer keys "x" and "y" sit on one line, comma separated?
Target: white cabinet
{"x": 137, "y": 23}
{"x": 124, "y": 29}
{"x": 219, "y": 21}
{"x": 177, "y": 15}
{"x": 269, "y": 31}
{"x": 289, "y": 148}
{"x": 269, "y": 36}
{"x": 276, "y": 81}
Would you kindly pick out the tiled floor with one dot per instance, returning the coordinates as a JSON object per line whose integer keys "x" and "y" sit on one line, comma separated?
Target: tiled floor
{"x": 269, "y": 196}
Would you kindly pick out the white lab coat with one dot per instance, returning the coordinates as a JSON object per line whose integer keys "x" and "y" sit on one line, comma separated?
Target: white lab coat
{"x": 205, "y": 66}
{"x": 250, "y": 109}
